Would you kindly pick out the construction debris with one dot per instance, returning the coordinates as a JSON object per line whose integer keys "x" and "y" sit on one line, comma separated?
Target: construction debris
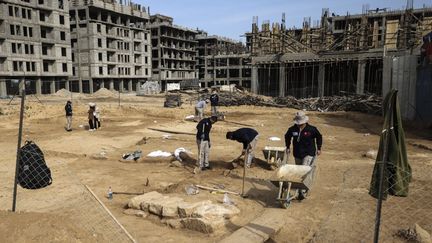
{"x": 149, "y": 88}
{"x": 173, "y": 100}
{"x": 351, "y": 102}
{"x": 370, "y": 104}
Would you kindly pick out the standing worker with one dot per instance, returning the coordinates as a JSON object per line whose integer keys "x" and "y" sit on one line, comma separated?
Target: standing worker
{"x": 203, "y": 141}
{"x": 249, "y": 138}
{"x": 307, "y": 142}
{"x": 97, "y": 117}
{"x": 91, "y": 118}
{"x": 214, "y": 102}
{"x": 68, "y": 110}
{"x": 199, "y": 109}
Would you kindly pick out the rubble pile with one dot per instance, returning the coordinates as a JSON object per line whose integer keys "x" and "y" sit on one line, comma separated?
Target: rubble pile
{"x": 363, "y": 103}
{"x": 173, "y": 100}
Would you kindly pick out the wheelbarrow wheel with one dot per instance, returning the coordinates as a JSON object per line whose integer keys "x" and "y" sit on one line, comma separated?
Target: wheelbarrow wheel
{"x": 287, "y": 202}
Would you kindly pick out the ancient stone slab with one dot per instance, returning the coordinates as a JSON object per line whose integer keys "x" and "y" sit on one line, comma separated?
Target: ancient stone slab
{"x": 186, "y": 209}
{"x": 170, "y": 207}
{"x": 135, "y": 203}
{"x": 203, "y": 225}
{"x": 261, "y": 228}
{"x": 212, "y": 211}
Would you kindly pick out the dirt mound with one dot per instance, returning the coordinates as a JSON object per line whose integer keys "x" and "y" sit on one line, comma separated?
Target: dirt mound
{"x": 103, "y": 92}
{"x": 63, "y": 93}
{"x": 41, "y": 227}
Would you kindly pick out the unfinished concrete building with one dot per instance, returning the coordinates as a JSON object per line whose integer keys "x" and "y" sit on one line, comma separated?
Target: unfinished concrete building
{"x": 173, "y": 51}
{"x": 363, "y": 53}
{"x": 111, "y": 45}
{"x": 34, "y": 46}
{"x": 222, "y": 61}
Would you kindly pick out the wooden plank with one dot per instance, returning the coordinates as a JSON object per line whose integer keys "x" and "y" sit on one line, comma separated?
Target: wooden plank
{"x": 261, "y": 228}
{"x": 170, "y": 131}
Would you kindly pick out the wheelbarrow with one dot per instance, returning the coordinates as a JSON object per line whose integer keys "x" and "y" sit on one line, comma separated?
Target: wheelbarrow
{"x": 275, "y": 156}
{"x": 291, "y": 178}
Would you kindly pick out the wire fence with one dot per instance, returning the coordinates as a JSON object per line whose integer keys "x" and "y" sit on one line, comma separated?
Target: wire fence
{"x": 353, "y": 214}
{"x": 66, "y": 197}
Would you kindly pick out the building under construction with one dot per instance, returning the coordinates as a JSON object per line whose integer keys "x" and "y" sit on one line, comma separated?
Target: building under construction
{"x": 110, "y": 45}
{"x": 362, "y": 53}
{"x": 222, "y": 61}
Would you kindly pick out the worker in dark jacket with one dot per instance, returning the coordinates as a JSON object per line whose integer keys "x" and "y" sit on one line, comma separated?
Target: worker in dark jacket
{"x": 203, "y": 141}
{"x": 249, "y": 138}
{"x": 68, "y": 110}
{"x": 214, "y": 101}
{"x": 307, "y": 142}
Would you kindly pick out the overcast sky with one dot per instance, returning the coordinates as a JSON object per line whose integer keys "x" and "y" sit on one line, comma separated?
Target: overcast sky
{"x": 232, "y": 18}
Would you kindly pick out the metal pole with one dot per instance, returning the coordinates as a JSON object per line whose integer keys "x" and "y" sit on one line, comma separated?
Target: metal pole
{"x": 19, "y": 145}
{"x": 382, "y": 173}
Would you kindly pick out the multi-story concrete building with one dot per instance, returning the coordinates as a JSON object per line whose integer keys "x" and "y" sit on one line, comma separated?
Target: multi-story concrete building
{"x": 34, "y": 45}
{"x": 226, "y": 69}
{"x": 229, "y": 56}
{"x": 111, "y": 45}
{"x": 173, "y": 51}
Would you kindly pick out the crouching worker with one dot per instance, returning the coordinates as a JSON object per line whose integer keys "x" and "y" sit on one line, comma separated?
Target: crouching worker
{"x": 249, "y": 138}
{"x": 307, "y": 142}
{"x": 203, "y": 141}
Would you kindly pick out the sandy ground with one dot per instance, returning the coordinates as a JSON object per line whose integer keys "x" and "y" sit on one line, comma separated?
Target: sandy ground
{"x": 338, "y": 209}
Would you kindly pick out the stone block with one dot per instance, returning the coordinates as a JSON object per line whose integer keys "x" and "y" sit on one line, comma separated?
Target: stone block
{"x": 135, "y": 202}
{"x": 215, "y": 211}
{"x": 186, "y": 209}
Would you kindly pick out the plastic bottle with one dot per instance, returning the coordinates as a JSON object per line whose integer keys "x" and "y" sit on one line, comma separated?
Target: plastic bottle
{"x": 110, "y": 193}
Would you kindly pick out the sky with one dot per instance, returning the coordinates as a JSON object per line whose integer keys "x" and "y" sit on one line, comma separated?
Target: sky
{"x": 232, "y": 18}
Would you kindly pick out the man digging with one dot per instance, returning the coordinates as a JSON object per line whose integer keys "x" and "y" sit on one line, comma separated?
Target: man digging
{"x": 199, "y": 109}
{"x": 307, "y": 142}
{"x": 203, "y": 142}
{"x": 249, "y": 138}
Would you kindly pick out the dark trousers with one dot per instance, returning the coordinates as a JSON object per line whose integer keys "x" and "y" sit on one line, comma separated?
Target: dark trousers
{"x": 97, "y": 123}
{"x": 91, "y": 124}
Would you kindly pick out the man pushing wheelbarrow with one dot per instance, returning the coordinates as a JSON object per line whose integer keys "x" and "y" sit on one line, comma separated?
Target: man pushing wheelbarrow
{"x": 307, "y": 142}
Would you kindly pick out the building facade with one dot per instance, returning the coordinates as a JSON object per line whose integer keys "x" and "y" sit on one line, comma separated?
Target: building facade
{"x": 173, "y": 51}
{"x": 34, "y": 46}
{"x": 111, "y": 45}
{"x": 221, "y": 61}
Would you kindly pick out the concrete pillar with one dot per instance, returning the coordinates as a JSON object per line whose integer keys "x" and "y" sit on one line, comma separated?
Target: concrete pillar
{"x": 254, "y": 79}
{"x": 282, "y": 80}
{"x": 91, "y": 85}
{"x": 138, "y": 86}
{"x": 52, "y": 87}
{"x": 3, "y": 90}
{"x": 130, "y": 88}
{"x": 321, "y": 78}
{"x": 121, "y": 85}
{"x": 111, "y": 84}
{"x": 101, "y": 84}
{"x": 80, "y": 86}
{"x": 241, "y": 72}
{"x": 205, "y": 71}
{"x": 361, "y": 76}
{"x": 228, "y": 70}
{"x": 67, "y": 85}
{"x": 38, "y": 86}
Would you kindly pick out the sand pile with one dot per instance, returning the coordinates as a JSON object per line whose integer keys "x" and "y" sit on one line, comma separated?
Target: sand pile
{"x": 103, "y": 92}
{"x": 63, "y": 93}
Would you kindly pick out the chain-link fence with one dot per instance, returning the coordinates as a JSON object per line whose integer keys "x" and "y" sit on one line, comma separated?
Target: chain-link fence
{"x": 66, "y": 198}
{"x": 353, "y": 214}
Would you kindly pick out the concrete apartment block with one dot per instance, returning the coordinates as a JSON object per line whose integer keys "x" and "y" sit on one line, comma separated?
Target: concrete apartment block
{"x": 227, "y": 69}
{"x": 173, "y": 51}
{"x": 111, "y": 45}
{"x": 34, "y": 45}
{"x": 222, "y": 61}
